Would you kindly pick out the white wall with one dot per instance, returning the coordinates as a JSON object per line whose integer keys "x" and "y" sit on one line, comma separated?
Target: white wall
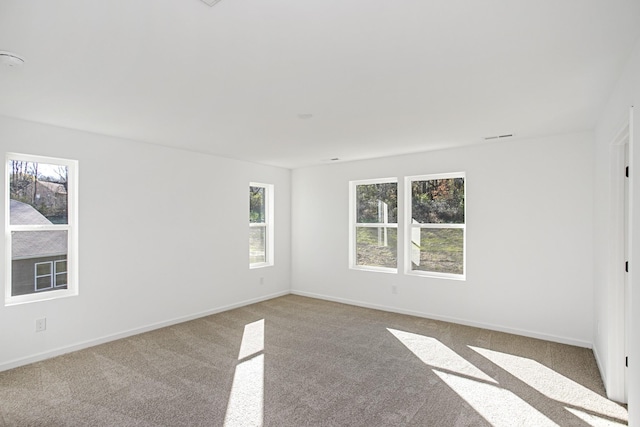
{"x": 625, "y": 95}
{"x": 529, "y": 238}
{"x": 163, "y": 236}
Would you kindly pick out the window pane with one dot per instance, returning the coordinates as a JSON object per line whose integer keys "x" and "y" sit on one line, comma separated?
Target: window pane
{"x": 61, "y": 266}
{"x": 38, "y": 193}
{"x": 257, "y": 245}
{"x": 377, "y": 203}
{"x": 43, "y": 283}
{"x": 60, "y": 280}
{"x": 257, "y": 204}
{"x": 29, "y": 248}
{"x": 437, "y": 250}
{"x": 43, "y": 269}
{"x": 438, "y": 201}
{"x": 377, "y": 246}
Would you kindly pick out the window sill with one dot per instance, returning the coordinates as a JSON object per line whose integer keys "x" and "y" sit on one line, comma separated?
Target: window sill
{"x": 374, "y": 269}
{"x": 260, "y": 265}
{"x": 40, "y": 296}
{"x": 434, "y": 275}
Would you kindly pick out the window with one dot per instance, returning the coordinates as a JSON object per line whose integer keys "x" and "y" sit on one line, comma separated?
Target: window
{"x": 41, "y": 230}
{"x": 435, "y": 219}
{"x": 50, "y": 274}
{"x": 374, "y": 225}
{"x": 60, "y": 273}
{"x": 260, "y": 225}
{"x": 43, "y": 276}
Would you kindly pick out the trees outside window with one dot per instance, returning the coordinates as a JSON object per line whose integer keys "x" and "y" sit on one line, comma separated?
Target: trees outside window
{"x": 374, "y": 224}
{"x": 435, "y": 220}
{"x": 260, "y": 225}
{"x": 434, "y": 225}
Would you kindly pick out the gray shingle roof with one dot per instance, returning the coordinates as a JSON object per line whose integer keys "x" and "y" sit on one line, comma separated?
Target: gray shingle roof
{"x": 53, "y": 186}
{"x": 34, "y": 244}
{"x": 24, "y": 214}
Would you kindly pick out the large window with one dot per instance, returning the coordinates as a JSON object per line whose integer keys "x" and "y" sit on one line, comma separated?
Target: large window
{"x": 260, "y": 225}
{"x": 374, "y": 225}
{"x": 435, "y": 225}
{"x": 40, "y": 224}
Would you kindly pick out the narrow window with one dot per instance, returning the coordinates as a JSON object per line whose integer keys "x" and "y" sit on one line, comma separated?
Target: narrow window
{"x": 435, "y": 225}
{"x": 40, "y": 220}
{"x": 374, "y": 225}
{"x": 260, "y": 225}
{"x": 60, "y": 279}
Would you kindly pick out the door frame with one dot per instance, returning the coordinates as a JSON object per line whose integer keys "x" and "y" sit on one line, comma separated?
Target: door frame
{"x": 619, "y": 253}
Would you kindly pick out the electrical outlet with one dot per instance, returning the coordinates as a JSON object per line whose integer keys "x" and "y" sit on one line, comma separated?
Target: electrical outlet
{"x": 41, "y": 324}
{"x": 262, "y": 280}
{"x": 394, "y": 289}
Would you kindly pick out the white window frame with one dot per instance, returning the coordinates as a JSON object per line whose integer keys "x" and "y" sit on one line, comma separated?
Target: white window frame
{"x": 268, "y": 225}
{"x": 410, "y": 227}
{"x": 71, "y": 228}
{"x": 353, "y": 226}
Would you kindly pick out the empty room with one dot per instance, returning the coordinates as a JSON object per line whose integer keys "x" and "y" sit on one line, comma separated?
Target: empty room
{"x": 320, "y": 213}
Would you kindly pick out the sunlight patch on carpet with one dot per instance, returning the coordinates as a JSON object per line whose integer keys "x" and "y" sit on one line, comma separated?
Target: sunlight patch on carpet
{"x": 246, "y": 400}
{"x": 252, "y": 339}
{"x": 500, "y": 407}
{"x": 594, "y": 420}
{"x": 554, "y": 385}
{"x": 433, "y": 353}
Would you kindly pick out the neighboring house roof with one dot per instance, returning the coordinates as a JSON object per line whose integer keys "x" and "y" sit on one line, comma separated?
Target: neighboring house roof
{"x": 34, "y": 244}
{"x": 24, "y": 214}
{"x": 53, "y": 187}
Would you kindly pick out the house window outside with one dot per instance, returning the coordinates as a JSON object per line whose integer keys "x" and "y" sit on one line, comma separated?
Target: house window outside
{"x": 41, "y": 230}
{"x": 60, "y": 277}
{"x": 43, "y": 276}
{"x": 374, "y": 225}
{"x": 50, "y": 274}
{"x": 435, "y": 225}
{"x": 260, "y": 225}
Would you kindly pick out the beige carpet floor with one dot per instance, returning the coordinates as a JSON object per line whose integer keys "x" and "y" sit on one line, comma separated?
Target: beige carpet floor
{"x": 295, "y": 361}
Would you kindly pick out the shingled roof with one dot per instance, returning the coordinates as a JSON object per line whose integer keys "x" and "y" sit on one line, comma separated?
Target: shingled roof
{"x": 55, "y": 187}
{"x": 24, "y": 214}
{"x": 34, "y": 244}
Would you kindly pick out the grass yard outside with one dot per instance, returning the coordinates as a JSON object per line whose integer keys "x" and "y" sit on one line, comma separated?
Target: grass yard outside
{"x": 440, "y": 249}
{"x": 370, "y": 248}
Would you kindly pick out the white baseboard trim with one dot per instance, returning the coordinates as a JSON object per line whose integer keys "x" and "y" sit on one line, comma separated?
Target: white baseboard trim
{"x": 90, "y": 343}
{"x": 498, "y": 328}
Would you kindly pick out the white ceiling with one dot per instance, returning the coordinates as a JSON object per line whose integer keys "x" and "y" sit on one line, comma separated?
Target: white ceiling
{"x": 380, "y": 77}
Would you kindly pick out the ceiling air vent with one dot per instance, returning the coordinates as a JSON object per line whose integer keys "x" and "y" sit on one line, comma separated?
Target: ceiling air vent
{"x": 487, "y": 138}
{"x": 211, "y": 2}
